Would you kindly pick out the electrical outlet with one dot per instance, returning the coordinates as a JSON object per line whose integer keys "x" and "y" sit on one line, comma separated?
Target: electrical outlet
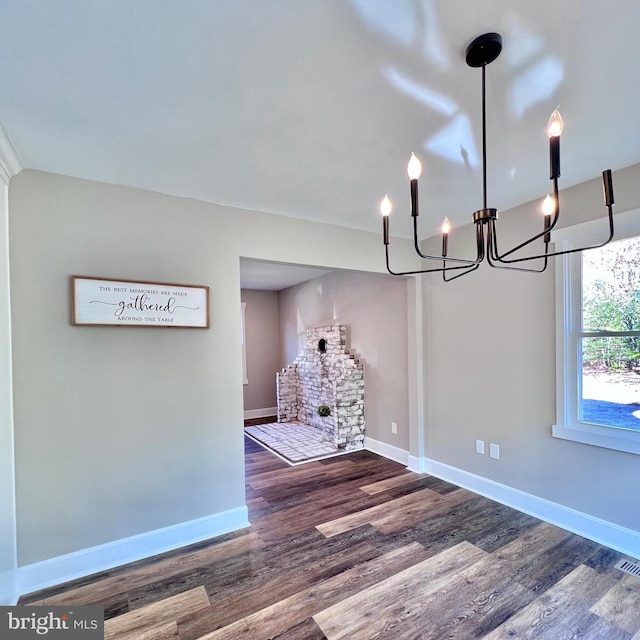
{"x": 480, "y": 446}
{"x": 494, "y": 451}
{"x": 394, "y": 427}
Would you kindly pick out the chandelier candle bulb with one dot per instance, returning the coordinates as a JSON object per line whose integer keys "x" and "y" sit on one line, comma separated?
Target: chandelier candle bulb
{"x": 555, "y": 124}
{"x": 414, "y": 169}
{"x": 446, "y": 227}
{"x": 548, "y": 208}
{"x": 385, "y": 210}
{"x": 554, "y": 130}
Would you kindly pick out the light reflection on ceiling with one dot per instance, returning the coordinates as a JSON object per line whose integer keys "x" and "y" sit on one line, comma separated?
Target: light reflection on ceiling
{"x": 312, "y": 109}
{"x": 419, "y": 92}
{"x": 396, "y": 22}
{"x": 535, "y": 84}
{"x": 454, "y": 142}
{"x": 540, "y": 76}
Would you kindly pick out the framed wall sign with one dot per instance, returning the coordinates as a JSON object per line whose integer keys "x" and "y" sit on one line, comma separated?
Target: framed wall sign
{"x": 126, "y": 303}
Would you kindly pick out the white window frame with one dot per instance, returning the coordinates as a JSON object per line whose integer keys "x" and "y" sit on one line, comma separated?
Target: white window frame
{"x": 568, "y": 324}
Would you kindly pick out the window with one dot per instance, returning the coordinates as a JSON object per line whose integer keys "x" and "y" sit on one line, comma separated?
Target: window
{"x": 598, "y": 336}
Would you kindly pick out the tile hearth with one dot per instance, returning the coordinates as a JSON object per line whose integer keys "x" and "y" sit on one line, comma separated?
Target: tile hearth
{"x": 293, "y": 441}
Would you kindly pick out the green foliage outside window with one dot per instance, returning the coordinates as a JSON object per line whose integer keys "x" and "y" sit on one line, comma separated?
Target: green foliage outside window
{"x": 611, "y": 302}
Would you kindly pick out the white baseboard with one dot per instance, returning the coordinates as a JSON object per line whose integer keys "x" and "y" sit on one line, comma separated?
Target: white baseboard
{"x": 621, "y": 539}
{"x": 40, "y": 575}
{"x": 386, "y": 450}
{"x": 417, "y": 465}
{"x": 260, "y": 413}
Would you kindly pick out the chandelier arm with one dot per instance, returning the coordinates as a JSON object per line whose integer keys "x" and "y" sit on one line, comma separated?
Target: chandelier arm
{"x": 411, "y": 273}
{"x": 467, "y": 267}
{"x": 398, "y": 273}
{"x": 491, "y": 255}
{"x": 547, "y": 230}
{"x": 520, "y": 269}
{"x": 497, "y": 265}
{"x": 459, "y": 275}
{"x": 609, "y": 202}
{"x": 568, "y": 251}
{"x": 480, "y": 243}
{"x": 462, "y": 261}
{"x": 480, "y": 251}
{"x": 443, "y": 269}
{"x": 386, "y": 240}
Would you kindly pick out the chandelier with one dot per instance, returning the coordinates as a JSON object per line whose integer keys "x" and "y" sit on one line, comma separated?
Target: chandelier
{"x": 482, "y": 51}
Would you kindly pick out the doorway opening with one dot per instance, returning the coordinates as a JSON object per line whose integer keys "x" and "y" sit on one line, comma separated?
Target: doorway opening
{"x": 279, "y": 313}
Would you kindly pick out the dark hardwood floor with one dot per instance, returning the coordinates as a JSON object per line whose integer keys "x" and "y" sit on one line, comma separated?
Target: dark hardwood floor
{"x": 250, "y": 422}
{"x": 358, "y": 548}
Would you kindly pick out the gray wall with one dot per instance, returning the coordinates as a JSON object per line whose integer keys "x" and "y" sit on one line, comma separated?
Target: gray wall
{"x": 490, "y": 354}
{"x": 8, "y": 564}
{"x": 134, "y": 427}
{"x": 263, "y": 348}
{"x": 122, "y": 431}
{"x": 374, "y": 310}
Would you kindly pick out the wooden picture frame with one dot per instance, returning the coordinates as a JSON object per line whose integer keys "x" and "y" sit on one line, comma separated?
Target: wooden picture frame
{"x": 105, "y": 302}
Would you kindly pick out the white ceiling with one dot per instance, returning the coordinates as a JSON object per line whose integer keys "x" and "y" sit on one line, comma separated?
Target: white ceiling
{"x": 311, "y": 109}
{"x": 274, "y": 276}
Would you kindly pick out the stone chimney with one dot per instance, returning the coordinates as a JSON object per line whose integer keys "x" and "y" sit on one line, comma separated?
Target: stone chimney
{"x": 325, "y": 372}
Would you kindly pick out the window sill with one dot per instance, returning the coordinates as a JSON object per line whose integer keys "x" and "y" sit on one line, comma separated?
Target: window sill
{"x": 617, "y": 439}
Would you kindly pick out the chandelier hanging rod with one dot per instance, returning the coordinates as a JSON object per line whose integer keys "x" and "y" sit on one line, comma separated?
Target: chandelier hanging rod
{"x": 482, "y": 51}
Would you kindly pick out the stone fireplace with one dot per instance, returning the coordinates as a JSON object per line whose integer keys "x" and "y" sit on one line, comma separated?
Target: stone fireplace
{"x": 325, "y": 372}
